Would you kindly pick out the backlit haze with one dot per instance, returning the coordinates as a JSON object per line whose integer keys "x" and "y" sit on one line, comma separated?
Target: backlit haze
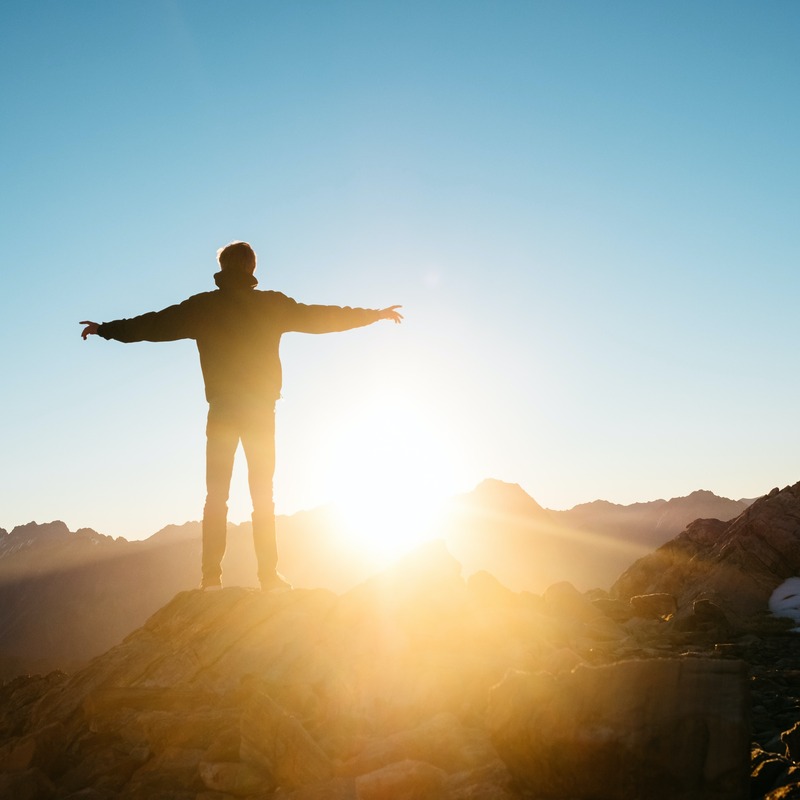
{"x": 588, "y": 210}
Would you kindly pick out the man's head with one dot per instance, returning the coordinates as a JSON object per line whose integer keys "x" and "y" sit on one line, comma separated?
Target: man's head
{"x": 237, "y": 257}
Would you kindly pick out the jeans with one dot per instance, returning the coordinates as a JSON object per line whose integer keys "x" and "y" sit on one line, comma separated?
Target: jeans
{"x": 252, "y": 423}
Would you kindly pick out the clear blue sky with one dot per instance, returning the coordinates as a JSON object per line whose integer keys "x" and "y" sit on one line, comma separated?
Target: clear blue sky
{"x": 589, "y": 211}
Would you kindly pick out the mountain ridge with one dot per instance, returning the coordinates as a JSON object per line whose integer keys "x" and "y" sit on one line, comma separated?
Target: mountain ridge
{"x": 483, "y": 490}
{"x": 68, "y": 596}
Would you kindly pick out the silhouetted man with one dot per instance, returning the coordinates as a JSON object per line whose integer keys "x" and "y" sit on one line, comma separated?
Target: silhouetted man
{"x": 238, "y": 330}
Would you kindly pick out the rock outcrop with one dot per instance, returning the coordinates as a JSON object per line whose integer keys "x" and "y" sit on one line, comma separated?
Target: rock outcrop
{"x": 733, "y": 566}
{"x": 381, "y": 692}
{"x": 659, "y": 729}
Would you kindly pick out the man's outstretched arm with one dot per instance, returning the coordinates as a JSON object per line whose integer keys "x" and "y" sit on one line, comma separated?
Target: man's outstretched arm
{"x": 330, "y": 319}
{"x": 167, "y": 325}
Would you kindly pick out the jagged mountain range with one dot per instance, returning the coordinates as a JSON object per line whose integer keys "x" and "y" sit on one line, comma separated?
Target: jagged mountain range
{"x": 498, "y": 527}
{"x": 68, "y": 596}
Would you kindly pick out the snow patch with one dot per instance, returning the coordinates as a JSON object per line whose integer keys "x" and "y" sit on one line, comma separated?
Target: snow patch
{"x": 785, "y": 600}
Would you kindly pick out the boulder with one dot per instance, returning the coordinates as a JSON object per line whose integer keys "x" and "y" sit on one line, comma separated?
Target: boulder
{"x": 102, "y": 763}
{"x": 491, "y": 782}
{"x": 42, "y": 749}
{"x": 175, "y": 770}
{"x": 19, "y": 696}
{"x": 411, "y": 780}
{"x": 233, "y": 777}
{"x": 613, "y": 608}
{"x": 789, "y": 792}
{"x": 31, "y": 784}
{"x": 658, "y": 605}
{"x": 791, "y": 740}
{"x": 705, "y": 616}
{"x": 660, "y": 728}
{"x": 275, "y": 743}
{"x": 768, "y": 772}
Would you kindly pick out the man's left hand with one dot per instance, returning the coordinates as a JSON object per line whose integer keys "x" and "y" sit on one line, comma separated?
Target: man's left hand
{"x": 391, "y": 313}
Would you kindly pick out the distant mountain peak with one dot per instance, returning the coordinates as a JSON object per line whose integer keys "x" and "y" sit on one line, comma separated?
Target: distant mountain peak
{"x": 490, "y": 486}
{"x": 32, "y": 534}
{"x": 493, "y": 492}
{"x": 701, "y": 494}
{"x": 40, "y": 530}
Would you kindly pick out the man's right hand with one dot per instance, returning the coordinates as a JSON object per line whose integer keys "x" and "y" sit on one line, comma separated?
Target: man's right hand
{"x": 90, "y": 329}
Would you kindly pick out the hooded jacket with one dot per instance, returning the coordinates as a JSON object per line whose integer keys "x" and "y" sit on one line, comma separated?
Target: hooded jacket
{"x": 238, "y": 330}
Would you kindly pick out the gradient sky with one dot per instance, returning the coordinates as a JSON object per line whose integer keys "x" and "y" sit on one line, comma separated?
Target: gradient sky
{"x": 589, "y": 211}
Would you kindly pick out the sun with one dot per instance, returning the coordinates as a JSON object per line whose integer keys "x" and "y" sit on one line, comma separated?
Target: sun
{"x": 391, "y": 467}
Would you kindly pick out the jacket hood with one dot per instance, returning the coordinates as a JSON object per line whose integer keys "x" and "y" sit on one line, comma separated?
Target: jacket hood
{"x": 230, "y": 279}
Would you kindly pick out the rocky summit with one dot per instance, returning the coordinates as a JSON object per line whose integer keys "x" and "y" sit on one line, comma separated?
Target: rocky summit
{"x": 415, "y": 684}
{"x": 423, "y": 684}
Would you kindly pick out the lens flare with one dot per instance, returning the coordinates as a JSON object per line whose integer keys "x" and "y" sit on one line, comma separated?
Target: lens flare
{"x": 390, "y": 469}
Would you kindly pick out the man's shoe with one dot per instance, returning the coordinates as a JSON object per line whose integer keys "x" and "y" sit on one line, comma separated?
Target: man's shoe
{"x": 210, "y": 587}
{"x": 276, "y": 583}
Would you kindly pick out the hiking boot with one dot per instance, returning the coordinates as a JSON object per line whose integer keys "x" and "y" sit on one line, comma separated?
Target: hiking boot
{"x": 276, "y": 583}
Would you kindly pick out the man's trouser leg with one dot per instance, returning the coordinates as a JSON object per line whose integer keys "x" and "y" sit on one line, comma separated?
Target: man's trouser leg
{"x": 222, "y": 438}
{"x": 258, "y": 441}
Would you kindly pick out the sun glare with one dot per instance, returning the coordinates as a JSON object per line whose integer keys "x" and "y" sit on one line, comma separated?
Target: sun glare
{"x": 390, "y": 469}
